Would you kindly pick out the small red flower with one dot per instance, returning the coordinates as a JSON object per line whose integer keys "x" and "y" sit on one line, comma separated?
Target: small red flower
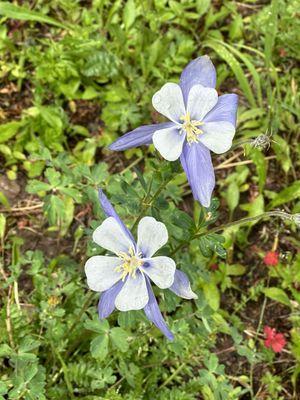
{"x": 274, "y": 340}
{"x": 214, "y": 267}
{"x": 271, "y": 258}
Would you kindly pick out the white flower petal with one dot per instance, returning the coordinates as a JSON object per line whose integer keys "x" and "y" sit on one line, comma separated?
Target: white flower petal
{"x": 217, "y": 136}
{"x": 200, "y": 101}
{"x": 152, "y": 235}
{"x": 112, "y": 237}
{"x": 100, "y": 272}
{"x": 161, "y": 271}
{"x": 169, "y": 142}
{"x": 133, "y": 295}
{"x": 168, "y": 101}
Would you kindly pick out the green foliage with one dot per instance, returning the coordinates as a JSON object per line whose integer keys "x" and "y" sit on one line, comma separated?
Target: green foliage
{"x": 76, "y": 75}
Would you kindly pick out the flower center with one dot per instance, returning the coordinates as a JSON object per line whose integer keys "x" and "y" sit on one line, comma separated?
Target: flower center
{"x": 191, "y": 128}
{"x": 131, "y": 262}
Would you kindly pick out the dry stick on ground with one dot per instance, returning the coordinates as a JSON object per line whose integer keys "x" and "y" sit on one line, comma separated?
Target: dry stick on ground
{"x": 8, "y": 319}
{"x": 226, "y": 165}
{"x": 19, "y": 209}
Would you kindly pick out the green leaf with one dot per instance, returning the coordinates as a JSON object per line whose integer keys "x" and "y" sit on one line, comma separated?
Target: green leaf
{"x": 119, "y": 338}
{"x": 229, "y": 58}
{"x": 53, "y": 176}
{"x": 72, "y": 192}
{"x": 99, "y": 346}
{"x": 212, "y": 295}
{"x": 4, "y": 200}
{"x": 22, "y": 13}
{"x": 212, "y": 363}
{"x": 282, "y": 151}
{"x": 34, "y": 168}
{"x": 182, "y": 220}
{"x": 277, "y": 294}
{"x": 261, "y": 167}
{"x": 36, "y": 186}
{"x": 5, "y": 350}
{"x": 7, "y": 131}
{"x": 68, "y": 214}
{"x": 252, "y": 69}
{"x": 2, "y": 226}
{"x": 288, "y": 194}
{"x": 271, "y": 30}
{"x": 235, "y": 270}
{"x": 129, "y": 14}
{"x": 232, "y": 196}
{"x": 3, "y": 390}
{"x": 202, "y": 7}
{"x": 254, "y": 208}
{"x": 97, "y": 326}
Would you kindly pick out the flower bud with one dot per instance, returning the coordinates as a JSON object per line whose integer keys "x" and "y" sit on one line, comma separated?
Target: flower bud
{"x": 261, "y": 142}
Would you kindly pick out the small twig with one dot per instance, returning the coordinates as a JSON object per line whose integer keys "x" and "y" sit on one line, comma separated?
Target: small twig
{"x": 8, "y": 319}
{"x": 16, "y": 294}
{"x": 20, "y": 209}
{"x": 250, "y": 6}
{"x": 228, "y": 350}
{"x": 228, "y": 160}
{"x": 223, "y": 166}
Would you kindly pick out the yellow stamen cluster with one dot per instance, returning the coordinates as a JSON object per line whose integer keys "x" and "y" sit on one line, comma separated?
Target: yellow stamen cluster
{"x": 131, "y": 262}
{"x": 191, "y": 128}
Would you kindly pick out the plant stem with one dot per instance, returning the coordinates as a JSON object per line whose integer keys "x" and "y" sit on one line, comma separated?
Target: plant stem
{"x": 261, "y": 317}
{"x": 148, "y": 204}
{"x": 65, "y": 371}
{"x": 176, "y": 372}
{"x": 81, "y": 312}
{"x": 280, "y": 214}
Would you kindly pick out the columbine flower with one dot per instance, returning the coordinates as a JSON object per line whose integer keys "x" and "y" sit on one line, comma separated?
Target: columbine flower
{"x": 271, "y": 259}
{"x": 125, "y": 279}
{"x": 274, "y": 340}
{"x": 200, "y": 121}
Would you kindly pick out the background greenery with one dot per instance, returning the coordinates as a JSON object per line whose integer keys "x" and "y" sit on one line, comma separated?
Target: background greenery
{"x": 74, "y": 76}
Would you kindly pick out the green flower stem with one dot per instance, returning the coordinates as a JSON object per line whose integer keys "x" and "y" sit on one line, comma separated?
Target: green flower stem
{"x": 84, "y": 307}
{"x": 280, "y": 214}
{"x": 65, "y": 370}
{"x": 147, "y": 204}
{"x": 135, "y": 162}
{"x": 175, "y": 373}
{"x": 260, "y": 322}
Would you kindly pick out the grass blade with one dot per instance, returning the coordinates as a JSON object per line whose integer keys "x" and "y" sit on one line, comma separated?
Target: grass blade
{"x": 229, "y": 58}
{"x": 22, "y": 13}
{"x": 251, "y": 68}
